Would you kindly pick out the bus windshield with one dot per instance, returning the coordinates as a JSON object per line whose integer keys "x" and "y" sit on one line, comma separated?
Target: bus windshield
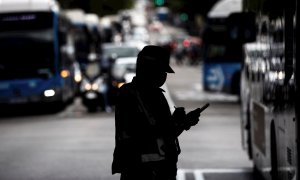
{"x": 224, "y": 53}
{"x": 219, "y": 43}
{"x": 82, "y": 41}
{"x": 26, "y": 45}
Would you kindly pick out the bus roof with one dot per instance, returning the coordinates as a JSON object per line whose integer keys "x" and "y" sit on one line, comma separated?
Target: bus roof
{"x": 7, "y": 6}
{"x": 77, "y": 16}
{"x": 224, "y": 8}
{"x": 92, "y": 19}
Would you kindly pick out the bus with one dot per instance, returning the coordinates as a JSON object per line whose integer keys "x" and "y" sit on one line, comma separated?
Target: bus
{"x": 270, "y": 90}
{"x": 80, "y": 32}
{"x": 222, "y": 53}
{"x": 37, "y": 64}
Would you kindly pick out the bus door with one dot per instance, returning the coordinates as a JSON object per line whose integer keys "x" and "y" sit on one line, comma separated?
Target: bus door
{"x": 221, "y": 67}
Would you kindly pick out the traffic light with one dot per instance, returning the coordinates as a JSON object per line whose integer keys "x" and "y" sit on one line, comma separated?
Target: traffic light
{"x": 184, "y": 17}
{"x": 159, "y": 2}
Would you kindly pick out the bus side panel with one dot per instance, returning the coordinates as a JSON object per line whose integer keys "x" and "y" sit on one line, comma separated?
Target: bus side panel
{"x": 64, "y": 59}
{"x": 260, "y": 122}
{"x": 273, "y": 121}
{"x": 28, "y": 91}
{"x": 221, "y": 77}
{"x": 297, "y": 86}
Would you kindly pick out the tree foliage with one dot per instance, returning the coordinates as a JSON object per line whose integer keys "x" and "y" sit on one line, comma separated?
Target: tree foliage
{"x": 191, "y": 7}
{"x": 100, "y": 7}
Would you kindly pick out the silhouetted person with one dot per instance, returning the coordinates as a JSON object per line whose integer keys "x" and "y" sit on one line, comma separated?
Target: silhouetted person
{"x": 147, "y": 147}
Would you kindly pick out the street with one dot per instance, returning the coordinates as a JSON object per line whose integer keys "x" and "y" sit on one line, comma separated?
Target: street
{"x": 77, "y": 145}
{"x": 63, "y": 63}
{"x": 212, "y": 149}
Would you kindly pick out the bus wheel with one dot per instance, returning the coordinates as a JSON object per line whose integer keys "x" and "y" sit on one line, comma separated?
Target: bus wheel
{"x": 249, "y": 138}
{"x": 235, "y": 84}
{"x": 274, "y": 160}
{"x": 249, "y": 142}
{"x": 257, "y": 174}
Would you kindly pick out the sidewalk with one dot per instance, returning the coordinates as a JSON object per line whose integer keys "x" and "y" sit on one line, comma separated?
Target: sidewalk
{"x": 186, "y": 85}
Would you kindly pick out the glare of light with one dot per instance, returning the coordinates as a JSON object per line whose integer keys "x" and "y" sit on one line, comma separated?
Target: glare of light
{"x": 272, "y": 76}
{"x": 49, "y": 93}
{"x": 92, "y": 56}
{"x": 184, "y": 17}
{"x": 95, "y": 86}
{"x": 186, "y": 43}
{"x": 88, "y": 86}
{"x": 280, "y": 75}
{"x": 78, "y": 78}
{"x": 263, "y": 67}
{"x": 276, "y": 75}
{"x": 64, "y": 73}
{"x": 120, "y": 84}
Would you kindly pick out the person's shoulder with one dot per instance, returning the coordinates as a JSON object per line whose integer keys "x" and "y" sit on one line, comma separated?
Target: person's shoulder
{"x": 126, "y": 91}
{"x": 127, "y": 87}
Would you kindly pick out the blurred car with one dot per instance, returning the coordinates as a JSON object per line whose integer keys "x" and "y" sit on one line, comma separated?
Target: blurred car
{"x": 123, "y": 70}
{"x": 165, "y": 40}
{"x": 138, "y": 33}
{"x": 186, "y": 47}
{"x": 113, "y": 55}
{"x": 112, "y": 51}
{"x": 156, "y": 26}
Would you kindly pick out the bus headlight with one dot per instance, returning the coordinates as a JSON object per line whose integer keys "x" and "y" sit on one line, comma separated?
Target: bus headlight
{"x": 49, "y": 93}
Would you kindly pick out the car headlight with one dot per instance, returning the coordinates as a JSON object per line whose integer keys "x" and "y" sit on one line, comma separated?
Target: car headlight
{"x": 120, "y": 84}
{"x": 85, "y": 85}
{"x": 95, "y": 86}
{"x": 117, "y": 84}
{"x": 77, "y": 77}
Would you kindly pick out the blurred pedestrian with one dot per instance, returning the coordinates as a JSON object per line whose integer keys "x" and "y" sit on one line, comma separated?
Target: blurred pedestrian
{"x": 193, "y": 53}
{"x": 146, "y": 136}
{"x": 179, "y": 54}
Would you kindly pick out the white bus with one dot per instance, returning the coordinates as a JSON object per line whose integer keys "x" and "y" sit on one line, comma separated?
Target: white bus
{"x": 270, "y": 90}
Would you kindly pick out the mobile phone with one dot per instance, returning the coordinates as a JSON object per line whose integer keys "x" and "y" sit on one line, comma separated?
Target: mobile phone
{"x": 203, "y": 108}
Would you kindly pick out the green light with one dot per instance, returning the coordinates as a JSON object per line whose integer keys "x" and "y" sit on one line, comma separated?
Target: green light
{"x": 184, "y": 17}
{"x": 159, "y": 2}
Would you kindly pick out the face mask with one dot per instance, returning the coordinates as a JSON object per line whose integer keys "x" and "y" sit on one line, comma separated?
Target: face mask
{"x": 152, "y": 80}
{"x": 157, "y": 80}
{"x": 161, "y": 79}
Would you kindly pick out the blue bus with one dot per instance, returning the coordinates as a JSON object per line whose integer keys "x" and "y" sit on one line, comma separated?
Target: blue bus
{"x": 37, "y": 64}
{"x": 222, "y": 48}
{"x": 221, "y": 63}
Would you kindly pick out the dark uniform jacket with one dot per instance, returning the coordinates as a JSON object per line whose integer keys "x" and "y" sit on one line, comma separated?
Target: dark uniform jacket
{"x": 145, "y": 132}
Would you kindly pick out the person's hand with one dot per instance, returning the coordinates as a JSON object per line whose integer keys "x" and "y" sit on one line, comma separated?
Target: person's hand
{"x": 192, "y": 118}
{"x": 179, "y": 115}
